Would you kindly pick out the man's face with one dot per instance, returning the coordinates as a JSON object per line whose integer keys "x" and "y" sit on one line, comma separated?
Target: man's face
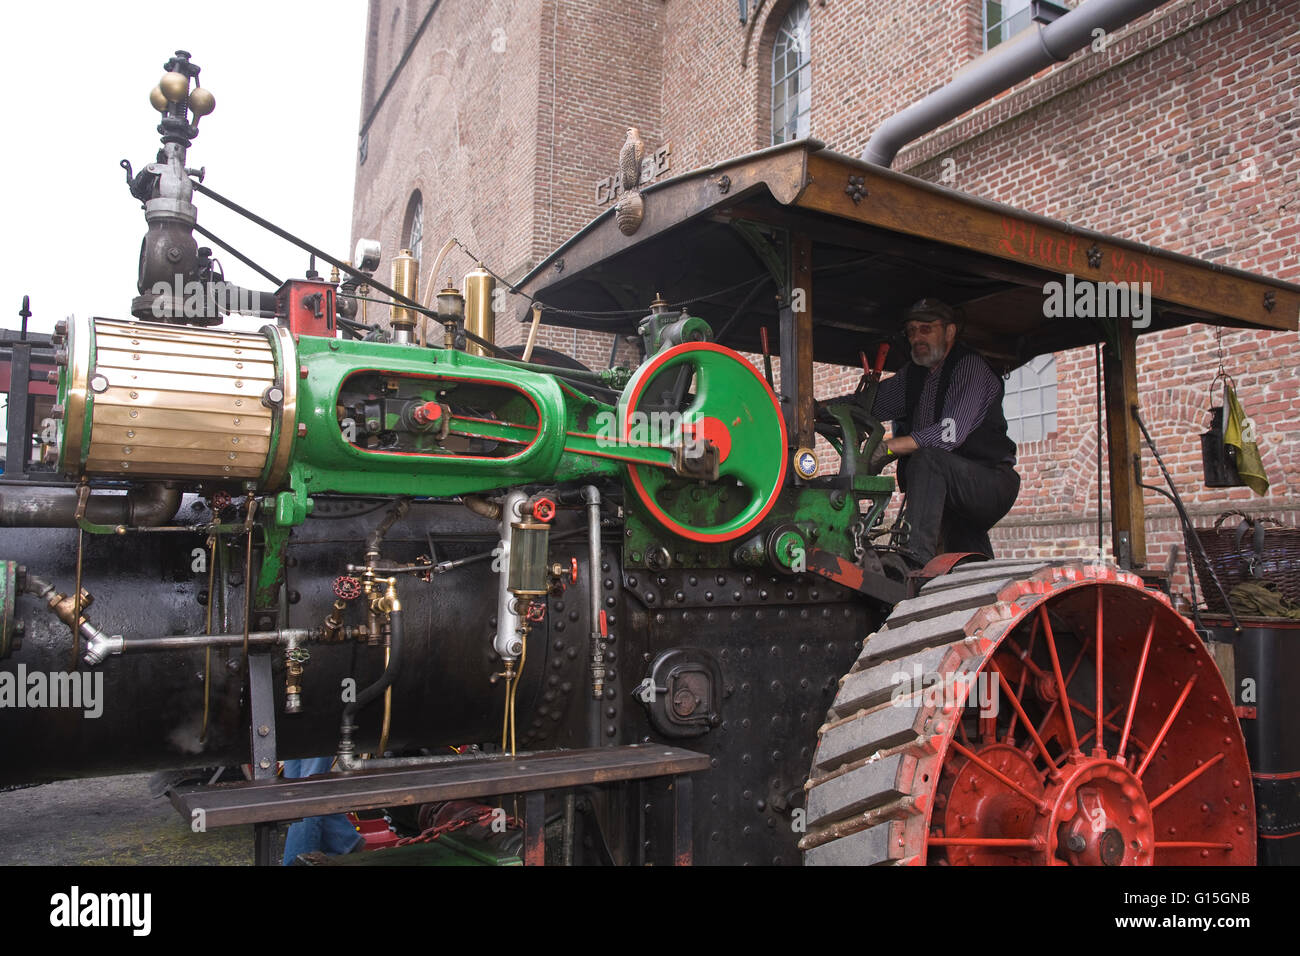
{"x": 930, "y": 340}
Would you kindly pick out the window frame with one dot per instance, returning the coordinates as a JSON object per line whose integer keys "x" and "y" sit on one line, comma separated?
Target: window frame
{"x": 414, "y": 218}
{"x": 779, "y": 97}
{"x": 986, "y": 27}
{"x": 1045, "y": 417}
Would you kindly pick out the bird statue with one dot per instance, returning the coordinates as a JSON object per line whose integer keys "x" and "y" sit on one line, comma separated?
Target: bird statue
{"x": 629, "y": 159}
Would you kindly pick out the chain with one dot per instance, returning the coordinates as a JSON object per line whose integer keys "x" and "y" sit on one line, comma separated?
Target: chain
{"x": 434, "y": 832}
{"x": 859, "y": 530}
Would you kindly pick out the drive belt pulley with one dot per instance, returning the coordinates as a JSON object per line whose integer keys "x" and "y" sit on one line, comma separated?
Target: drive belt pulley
{"x": 696, "y": 393}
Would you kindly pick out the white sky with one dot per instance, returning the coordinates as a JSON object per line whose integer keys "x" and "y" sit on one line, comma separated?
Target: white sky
{"x": 282, "y": 141}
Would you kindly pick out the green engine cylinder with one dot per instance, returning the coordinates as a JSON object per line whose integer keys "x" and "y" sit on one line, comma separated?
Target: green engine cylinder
{"x": 300, "y": 417}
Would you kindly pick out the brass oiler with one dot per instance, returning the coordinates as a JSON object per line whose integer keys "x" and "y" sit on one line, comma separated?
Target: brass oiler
{"x": 528, "y": 567}
{"x": 480, "y": 316}
{"x": 451, "y": 311}
{"x": 406, "y": 281}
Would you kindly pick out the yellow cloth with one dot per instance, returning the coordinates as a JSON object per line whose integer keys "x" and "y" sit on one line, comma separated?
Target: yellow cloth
{"x": 1238, "y": 431}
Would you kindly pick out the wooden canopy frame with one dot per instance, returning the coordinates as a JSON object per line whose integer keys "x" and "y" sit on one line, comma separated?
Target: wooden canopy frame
{"x": 831, "y": 250}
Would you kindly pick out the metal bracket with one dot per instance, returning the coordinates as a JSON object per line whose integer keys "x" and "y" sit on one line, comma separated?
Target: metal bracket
{"x": 261, "y": 708}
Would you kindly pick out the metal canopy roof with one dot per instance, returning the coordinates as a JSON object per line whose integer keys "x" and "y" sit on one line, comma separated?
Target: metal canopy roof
{"x": 715, "y": 239}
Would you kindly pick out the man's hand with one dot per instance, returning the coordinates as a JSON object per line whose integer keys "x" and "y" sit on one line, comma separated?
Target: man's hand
{"x": 880, "y": 457}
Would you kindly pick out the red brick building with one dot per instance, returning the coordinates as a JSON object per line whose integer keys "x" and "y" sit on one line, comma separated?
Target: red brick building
{"x": 498, "y": 121}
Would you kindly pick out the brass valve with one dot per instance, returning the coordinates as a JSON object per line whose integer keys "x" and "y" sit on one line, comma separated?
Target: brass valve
{"x": 65, "y": 606}
{"x": 387, "y": 602}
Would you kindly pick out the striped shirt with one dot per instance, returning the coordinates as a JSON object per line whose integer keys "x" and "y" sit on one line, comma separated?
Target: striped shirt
{"x": 972, "y": 390}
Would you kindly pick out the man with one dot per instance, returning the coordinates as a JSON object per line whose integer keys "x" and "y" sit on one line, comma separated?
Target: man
{"x": 955, "y": 461}
{"x": 333, "y": 834}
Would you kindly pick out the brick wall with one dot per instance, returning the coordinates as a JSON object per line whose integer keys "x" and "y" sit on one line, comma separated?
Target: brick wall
{"x": 1180, "y": 133}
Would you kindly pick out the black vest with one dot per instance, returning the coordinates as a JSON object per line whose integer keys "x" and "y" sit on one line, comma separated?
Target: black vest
{"x": 987, "y": 443}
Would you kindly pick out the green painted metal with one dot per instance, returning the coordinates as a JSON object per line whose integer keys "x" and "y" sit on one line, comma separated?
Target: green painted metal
{"x": 8, "y": 599}
{"x": 531, "y": 412}
{"x": 823, "y": 519}
{"x": 789, "y": 548}
{"x": 270, "y": 572}
{"x": 63, "y": 390}
{"x": 662, "y": 330}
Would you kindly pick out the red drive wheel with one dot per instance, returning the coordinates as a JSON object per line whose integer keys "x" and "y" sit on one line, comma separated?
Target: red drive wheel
{"x": 967, "y": 733}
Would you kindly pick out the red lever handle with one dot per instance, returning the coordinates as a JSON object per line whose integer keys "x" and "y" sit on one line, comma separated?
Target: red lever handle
{"x": 881, "y": 353}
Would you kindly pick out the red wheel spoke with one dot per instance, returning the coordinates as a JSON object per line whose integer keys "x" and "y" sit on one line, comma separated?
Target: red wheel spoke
{"x": 961, "y": 728}
{"x": 1011, "y": 725}
{"x": 1015, "y": 703}
{"x": 1060, "y": 680}
{"x": 1109, "y": 723}
{"x": 1187, "y": 779}
{"x": 1083, "y": 652}
{"x": 1026, "y": 664}
{"x": 988, "y": 768}
{"x": 1023, "y": 657}
{"x": 1137, "y": 687}
{"x": 1164, "y": 729}
{"x": 1100, "y": 749}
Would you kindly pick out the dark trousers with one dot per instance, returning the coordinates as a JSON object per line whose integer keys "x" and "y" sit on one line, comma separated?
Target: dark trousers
{"x": 957, "y": 499}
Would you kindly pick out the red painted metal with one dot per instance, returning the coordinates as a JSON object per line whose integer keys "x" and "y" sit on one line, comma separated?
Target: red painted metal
{"x": 1020, "y": 710}
{"x": 941, "y": 564}
{"x": 377, "y": 832}
{"x": 347, "y": 588}
{"x": 427, "y": 413}
{"x": 1137, "y": 688}
{"x": 1034, "y": 796}
{"x": 1187, "y": 779}
{"x": 1099, "y": 750}
{"x": 39, "y": 385}
{"x": 307, "y": 306}
{"x": 711, "y": 429}
{"x": 1061, "y": 685}
{"x": 1169, "y": 722}
{"x": 882, "y": 352}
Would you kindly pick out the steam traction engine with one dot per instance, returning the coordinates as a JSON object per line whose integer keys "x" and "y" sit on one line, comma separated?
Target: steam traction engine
{"x": 327, "y": 538}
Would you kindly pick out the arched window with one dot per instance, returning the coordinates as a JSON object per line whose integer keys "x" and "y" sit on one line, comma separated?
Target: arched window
{"x": 413, "y": 228}
{"x": 1030, "y": 400}
{"x": 791, "y": 76}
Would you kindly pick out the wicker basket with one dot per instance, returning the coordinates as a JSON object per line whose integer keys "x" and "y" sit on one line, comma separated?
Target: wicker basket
{"x": 1258, "y": 549}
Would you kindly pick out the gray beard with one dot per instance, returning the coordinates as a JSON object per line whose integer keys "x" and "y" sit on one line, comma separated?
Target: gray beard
{"x": 930, "y": 361}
